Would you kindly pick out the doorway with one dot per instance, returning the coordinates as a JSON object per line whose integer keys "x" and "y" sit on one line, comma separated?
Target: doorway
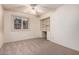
{"x": 44, "y": 34}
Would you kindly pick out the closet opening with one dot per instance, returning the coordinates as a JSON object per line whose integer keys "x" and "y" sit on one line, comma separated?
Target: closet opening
{"x": 44, "y": 34}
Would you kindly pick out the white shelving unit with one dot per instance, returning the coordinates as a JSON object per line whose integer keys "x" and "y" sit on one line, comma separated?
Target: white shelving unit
{"x": 45, "y": 24}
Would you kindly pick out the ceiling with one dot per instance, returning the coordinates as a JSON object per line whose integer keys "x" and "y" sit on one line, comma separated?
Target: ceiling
{"x": 39, "y": 9}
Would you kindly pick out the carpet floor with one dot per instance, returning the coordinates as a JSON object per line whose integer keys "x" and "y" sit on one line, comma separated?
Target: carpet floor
{"x": 35, "y": 47}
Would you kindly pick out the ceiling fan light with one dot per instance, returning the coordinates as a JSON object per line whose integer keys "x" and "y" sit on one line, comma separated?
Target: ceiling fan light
{"x": 33, "y": 5}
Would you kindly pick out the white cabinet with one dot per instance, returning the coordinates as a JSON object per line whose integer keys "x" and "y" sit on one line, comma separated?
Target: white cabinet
{"x": 45, "y": 24}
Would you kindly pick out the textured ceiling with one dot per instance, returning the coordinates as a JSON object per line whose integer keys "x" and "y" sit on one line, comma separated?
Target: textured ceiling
{"x": 27, "y": 8}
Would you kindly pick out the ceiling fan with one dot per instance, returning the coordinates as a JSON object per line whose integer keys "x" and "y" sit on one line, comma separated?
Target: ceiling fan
{"x": 33, "y": 6}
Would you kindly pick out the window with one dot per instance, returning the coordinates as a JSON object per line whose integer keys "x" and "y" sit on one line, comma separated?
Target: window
{"x": 17, "y": 23}
{"x": 20, "y": 22}
{"x": 25, "y": 24}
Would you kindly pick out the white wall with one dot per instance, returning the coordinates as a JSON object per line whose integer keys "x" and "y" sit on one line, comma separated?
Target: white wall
{"x": 1, "y": 24}
{"x": 48, "y": 14}
{"x": 13, "y": 35}
{"x": 65, "y": 26}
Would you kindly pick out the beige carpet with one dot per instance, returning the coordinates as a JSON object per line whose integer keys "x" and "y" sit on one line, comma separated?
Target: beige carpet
{"x": 35, "y": 47}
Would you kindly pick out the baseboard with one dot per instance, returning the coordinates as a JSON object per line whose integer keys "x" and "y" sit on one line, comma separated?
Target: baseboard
{"x": 64, "y": 45}
{"x": 23, "y": 39}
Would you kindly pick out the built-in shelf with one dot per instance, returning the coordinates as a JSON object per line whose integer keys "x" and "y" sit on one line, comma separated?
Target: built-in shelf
{"x": 45, "y": 24}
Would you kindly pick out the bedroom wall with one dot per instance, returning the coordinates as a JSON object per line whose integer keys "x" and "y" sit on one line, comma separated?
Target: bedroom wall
{"x": 1, "y": 25}
{"x": 65, "y": 26}
{"x": 48, "y": 14}
{"x": 15, "y": 35}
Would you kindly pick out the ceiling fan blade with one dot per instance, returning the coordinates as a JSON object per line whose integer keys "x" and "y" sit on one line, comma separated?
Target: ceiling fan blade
{"x": 37, "y": 14}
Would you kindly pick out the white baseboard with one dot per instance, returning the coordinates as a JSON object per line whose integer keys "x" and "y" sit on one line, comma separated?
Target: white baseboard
{"x": 63, "y": 45}
{"x": 22, "y": 39}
